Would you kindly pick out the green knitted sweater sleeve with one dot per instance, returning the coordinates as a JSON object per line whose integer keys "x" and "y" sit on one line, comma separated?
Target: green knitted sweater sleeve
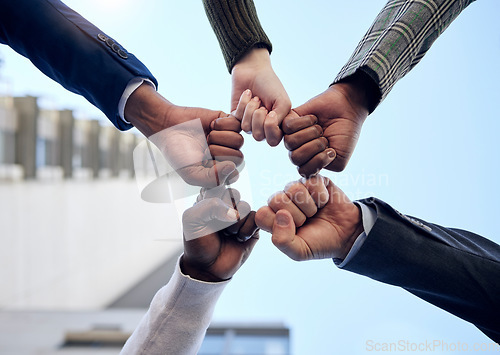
{"x": 237, "y": 28}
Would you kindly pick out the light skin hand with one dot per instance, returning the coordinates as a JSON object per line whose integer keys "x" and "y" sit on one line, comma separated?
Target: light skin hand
{"x": 254, "y": 72}
{"x": 337, "y": 116}
{"x": 311, "y": 219}
{"x": 216, "y": 256}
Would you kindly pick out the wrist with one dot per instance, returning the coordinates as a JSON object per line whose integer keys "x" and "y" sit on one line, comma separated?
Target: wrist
{"x": 354, "y": 223}
{"x": 360, "y": 90}
{"x": 196, "y": 272}
{"x": 254, "y": 58}
{"x": 147, "y": 110}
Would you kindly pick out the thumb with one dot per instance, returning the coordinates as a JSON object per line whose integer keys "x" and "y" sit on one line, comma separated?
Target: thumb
{"x": 274, "y": 118}
{"x": 220, "y": 172}
{"x": 206, "y": 217}
{"x": 284, "y": 237}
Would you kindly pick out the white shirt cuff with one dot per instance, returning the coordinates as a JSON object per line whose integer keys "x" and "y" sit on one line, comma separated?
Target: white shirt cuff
{"x": 369, "y": 217}
{"x": 131, "y": 87}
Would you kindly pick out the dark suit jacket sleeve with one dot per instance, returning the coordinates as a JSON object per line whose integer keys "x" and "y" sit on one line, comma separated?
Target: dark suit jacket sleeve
{"x": 72, "y": 51}
{"x": 456, "y": 270}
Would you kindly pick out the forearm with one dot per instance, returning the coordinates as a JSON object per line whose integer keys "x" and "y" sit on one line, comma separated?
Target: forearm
{"x": 398, "y": 39}
{"x": 237, "y": 28}
{"x": 177, "y": 319}
{"x": 455, "y": 270}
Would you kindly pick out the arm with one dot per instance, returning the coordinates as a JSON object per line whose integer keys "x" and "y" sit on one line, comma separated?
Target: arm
{"x": 397, "y": 40}
{"x": 86, "y": 61}
{"x": 72, "y": 51}
{"x": 452, "y": 269}
{"x": 219, "y": 234}
{"x": 246, "y": 50}
{"x": 400, "y": 36}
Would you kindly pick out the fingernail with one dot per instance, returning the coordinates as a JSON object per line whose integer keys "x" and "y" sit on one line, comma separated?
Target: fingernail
{"x": 272, "y": 114}
{"x": 282, "y": 220}
{"x": 331, "y": 154}
{"x": 232, "y": 214}
{"x": 256, "y": 99}
{"x": 247, "y": 92}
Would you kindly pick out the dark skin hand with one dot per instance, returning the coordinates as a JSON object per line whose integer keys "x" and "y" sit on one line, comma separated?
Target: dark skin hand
{"x": 217, "y": 256}
{"x": 323, "y": 132}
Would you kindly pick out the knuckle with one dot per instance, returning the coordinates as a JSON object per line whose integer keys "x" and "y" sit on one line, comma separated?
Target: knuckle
{"x": 294, "y": 157}
{"x": 294, "y": 189}
{"x": 287, "y": 124}
{"x": 322, "y": 143}
{"x": 290, "y": 142}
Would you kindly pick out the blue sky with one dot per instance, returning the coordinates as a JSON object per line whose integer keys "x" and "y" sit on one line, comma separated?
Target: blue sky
{"x": 430, "y": 150}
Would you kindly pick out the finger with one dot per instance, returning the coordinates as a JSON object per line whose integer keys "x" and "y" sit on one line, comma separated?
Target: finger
{"x": 228, "y": 123}
{"x": 231, "y": 197}
{"x": 249, "y": 228}
{"x": 292, "y": 123}
{"x": 272, "y": 129}
{"x": 245, "y": 98}
{"x": 317, "y": 187}
{"x": 258, "y": 119}
{"x": 213, "y": 212}
{"x": 232, "y": 178}
{"x": 200, "y": 175}
{"x": 303, "y": 154}
{"x": 220, "y": 153}
{"x": 246, "y": 122}
{"x": 280, "y": 201}
{"x": 214, "y": 192}
{"x": 300, "y": 196}
{"x": 285, "y": 239}
{"x": 282, "y": 107}
{"x": 299, "y": 138}
{"x": 264, "y": 218}
{"x": 226, "y": 138}
{"x": 318, "y": 162}
{"x": 244, "y": 210}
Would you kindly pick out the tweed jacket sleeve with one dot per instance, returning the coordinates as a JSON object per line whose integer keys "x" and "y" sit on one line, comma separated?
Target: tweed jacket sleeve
{"x": 398, "y": 39}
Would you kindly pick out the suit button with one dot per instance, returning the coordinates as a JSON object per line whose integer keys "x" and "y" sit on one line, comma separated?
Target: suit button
{"x": 122, "y": 54}
{"x": 115, "y": 48}
{"x": 102, "y": 37}
{"x": 110, "y": 42}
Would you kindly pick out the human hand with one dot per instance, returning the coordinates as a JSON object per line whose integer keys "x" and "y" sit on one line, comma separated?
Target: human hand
{"x": 323, "y": 132}
{"x": 181, "y": 135}
{"x": 212, "y": 253}
{"x": 311, "y": 219}
{"x": 254, "y": 72}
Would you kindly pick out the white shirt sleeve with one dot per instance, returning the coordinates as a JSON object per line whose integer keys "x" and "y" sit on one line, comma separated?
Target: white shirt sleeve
{"x": 131, "y": 87}
{"x": 177, "y": 318}
{"x": 369, "y": 217}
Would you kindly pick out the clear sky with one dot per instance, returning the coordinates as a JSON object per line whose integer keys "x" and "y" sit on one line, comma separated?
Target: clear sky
{"x": 430, "y": 150}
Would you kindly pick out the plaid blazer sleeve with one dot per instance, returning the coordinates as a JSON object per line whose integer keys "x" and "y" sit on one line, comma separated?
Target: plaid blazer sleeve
{"x": 398, "y": 39}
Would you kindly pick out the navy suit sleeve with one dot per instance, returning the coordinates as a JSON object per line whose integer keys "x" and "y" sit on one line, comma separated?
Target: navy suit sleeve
{"x": 72, "y": 51}
{"x": 456, "y": 270}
